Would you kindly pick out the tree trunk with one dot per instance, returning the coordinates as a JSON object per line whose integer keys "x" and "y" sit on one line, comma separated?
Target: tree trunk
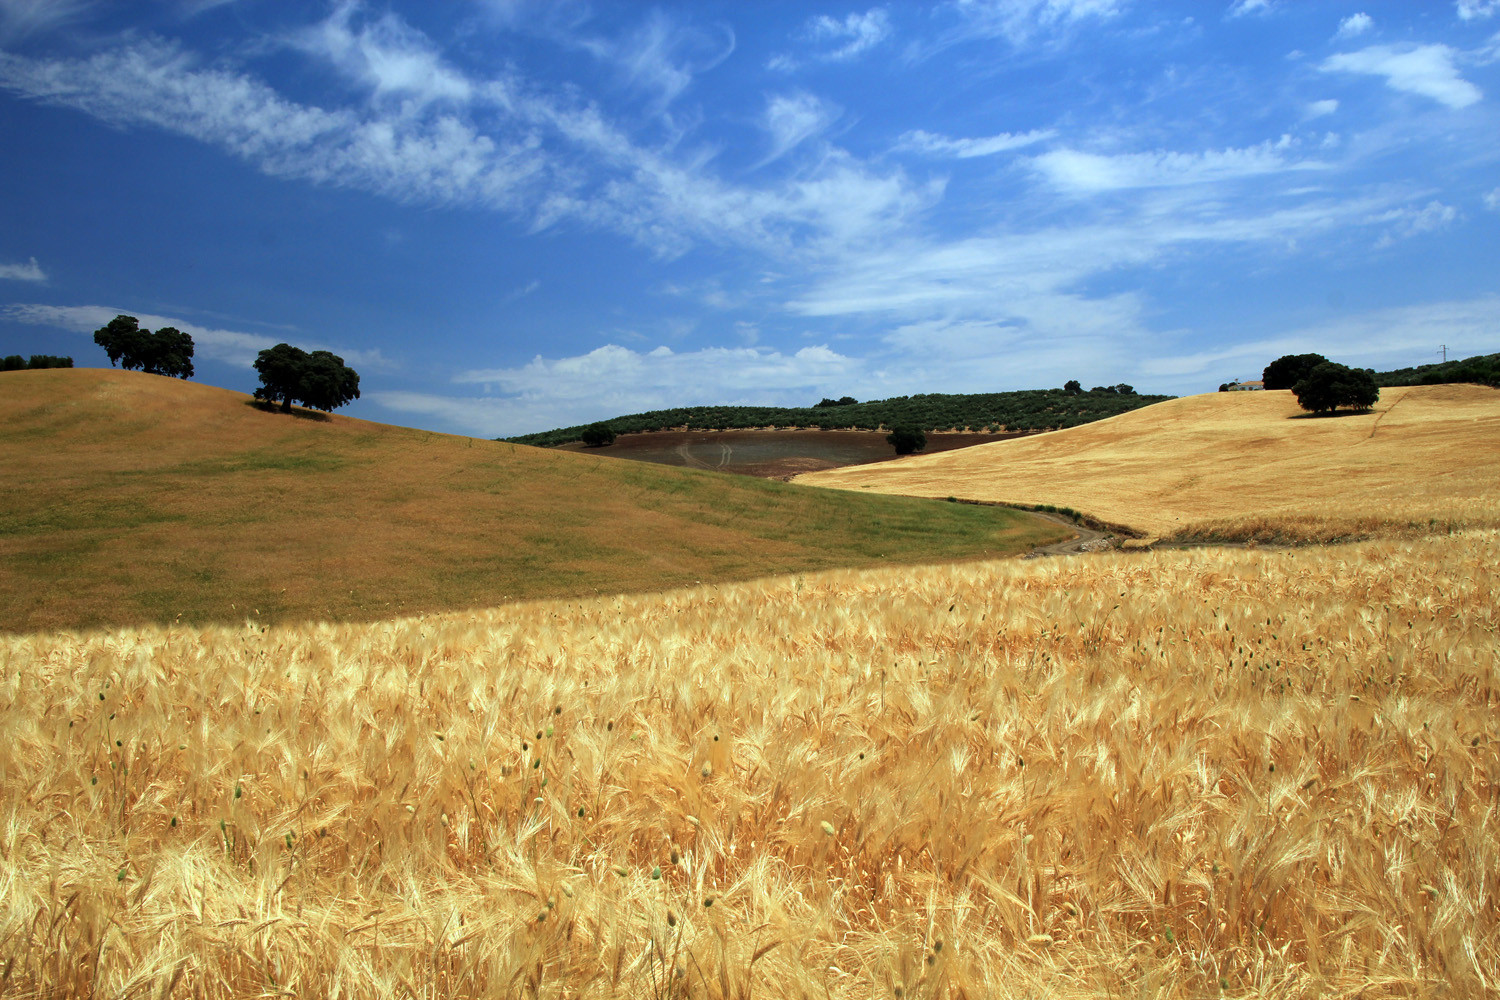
{"x": 286, "y": 404}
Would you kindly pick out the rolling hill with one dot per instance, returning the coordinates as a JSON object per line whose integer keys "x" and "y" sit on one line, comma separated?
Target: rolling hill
{"x": 1242, "y": 465}
{"x": 132, "y": 498}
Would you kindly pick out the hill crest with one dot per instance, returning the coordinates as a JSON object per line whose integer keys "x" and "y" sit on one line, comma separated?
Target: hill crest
{"x": 132, "y": 498}
{"x": 1238, "y": 465}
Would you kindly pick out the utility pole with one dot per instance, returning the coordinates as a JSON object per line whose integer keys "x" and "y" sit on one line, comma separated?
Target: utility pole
{"x": 1445, "y": 354}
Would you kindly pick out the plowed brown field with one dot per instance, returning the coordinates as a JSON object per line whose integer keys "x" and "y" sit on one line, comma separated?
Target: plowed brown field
{"x": 771, "y": 454}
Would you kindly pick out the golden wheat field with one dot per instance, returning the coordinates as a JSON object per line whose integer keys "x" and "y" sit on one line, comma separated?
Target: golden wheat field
{"x": 1170, "y": 774}
{"x": 1239, "y": 465}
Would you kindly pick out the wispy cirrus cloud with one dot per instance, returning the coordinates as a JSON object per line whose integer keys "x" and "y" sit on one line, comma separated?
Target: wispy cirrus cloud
{"x": 1407, "y": 221}
{"x": 539, "y": 157}
{"x": 852, "y": 35}
{"x": 662, "y": 55}
{"x": 1317, "y": 109}
{"x": 1426, "y": 70}
{"x": 1081, "y": 172}
{"x": 791, "y": 119}
{"x": 1243, "y": 8}
{"x": 29, "y": 271}
{"x": 931, "y": 144}
{"x": 438, "y": 158}
{"x": 384, "y": 54}
{"x": 833, "y": 39}
{"x": 1021, "y": 21}
{"x": 23, "y": 18}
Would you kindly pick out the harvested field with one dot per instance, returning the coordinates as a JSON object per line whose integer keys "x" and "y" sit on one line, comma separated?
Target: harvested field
{"x": 771, "y": 454}
{"x": 131, "y": 498}
{"x": 1175, "y": 774}
{"x": 1240, "y": 466}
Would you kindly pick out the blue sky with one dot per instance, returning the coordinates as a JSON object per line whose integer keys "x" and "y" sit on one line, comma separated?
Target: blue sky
{"x": 511, "y": 215}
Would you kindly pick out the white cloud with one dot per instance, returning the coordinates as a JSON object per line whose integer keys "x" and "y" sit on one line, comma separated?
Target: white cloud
{"x": 229, "y": 346}
{"x": 1409, "y": 222}
{"x": 1492, "y": 200}
{"x": 387, "y": 55}
{"x": 435, "y": 158}
{"x": 1317, "y": 109}
{"x": 1427, "y": 70}
{"x": 662, "y": 55}
{"x": 1240, "y": 8}
{"x": 849, "y": 38}
{"x": 1089, "y": 173}
{"x": 791, "y": 119}
{"x": 524, "y": 290}
{"x": 1398, "y": 336}
{"x": 1019, "y": 21}
{"x": 29, "y": 271}
{"x": 611, "y": 380}
{"x": 1030, "y": 284}
{"x": 1354, "y": 24}
{"x": 931, "y": 144}
{"x": 855, "y": 34}
{"x": 22, "y": 18}
{"x": 1473, "y": 10}
{"x": 545, "y": 158}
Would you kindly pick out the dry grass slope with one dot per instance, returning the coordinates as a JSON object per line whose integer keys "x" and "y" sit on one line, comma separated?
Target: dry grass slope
{"x": 1242, "y": 465}
{"x": 1178, "y": 774}
{"x": 131, "y": 498}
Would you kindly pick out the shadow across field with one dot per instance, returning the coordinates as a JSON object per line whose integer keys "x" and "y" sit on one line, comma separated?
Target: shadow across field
{"x": 132, "y": 498}
{"x": 296, "y": 411}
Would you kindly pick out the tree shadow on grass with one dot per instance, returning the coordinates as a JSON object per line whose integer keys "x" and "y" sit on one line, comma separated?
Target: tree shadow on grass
{"x": 1331, "y": 413}
{"x": 296, "y": 411}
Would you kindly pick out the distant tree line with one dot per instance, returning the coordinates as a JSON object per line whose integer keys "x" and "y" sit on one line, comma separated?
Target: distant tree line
{"x": 1024, "y": 410}
{"x": 1482, "y": 369}
{"x": 16, "y": 363}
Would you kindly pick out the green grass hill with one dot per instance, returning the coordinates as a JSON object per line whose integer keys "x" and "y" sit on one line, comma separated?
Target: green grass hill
{"x": 131, "y": 498}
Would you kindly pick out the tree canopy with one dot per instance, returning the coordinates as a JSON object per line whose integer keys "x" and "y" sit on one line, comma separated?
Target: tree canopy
{"x": 1330, "y": 385}
{"x": 319, "y": 380}
{"x": 598, "y": 435}
{"x": 168, "y": 351}
{"x": 1289, "y": 369}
